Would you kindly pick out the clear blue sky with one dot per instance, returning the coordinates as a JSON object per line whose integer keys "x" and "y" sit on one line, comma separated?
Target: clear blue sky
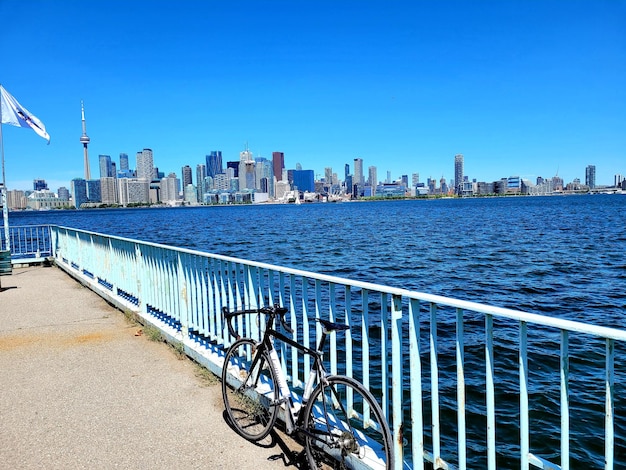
{"x": 523, "y": 88}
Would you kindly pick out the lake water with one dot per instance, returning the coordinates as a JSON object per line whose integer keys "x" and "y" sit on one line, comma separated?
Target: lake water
{"x": 558, "y": 256}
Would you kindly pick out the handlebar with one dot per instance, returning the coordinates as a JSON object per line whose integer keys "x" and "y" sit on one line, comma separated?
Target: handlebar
{"x": 272, "y": 311}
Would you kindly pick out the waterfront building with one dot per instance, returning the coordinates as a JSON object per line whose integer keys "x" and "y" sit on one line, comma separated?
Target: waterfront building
{"x": 328, "y": 175}
{"x": 304, "y": 180}
{"x": 39, "y": 185}
{"x": 16, "y": 199}
{"x": 145, "y": 165}
{"x": 415, "y": 179}
{"x": 278, "y": 164}
{"x": 282, "y": 189}
{"x": 186, "y": 176}
{"x": 358, "y": 178}
{"x": 514, "y": 185}
{"x": 138, "y": 191}
{"x": 247, "y": 174}
{"x": 44, "y": 199}
{"x": 557, "y": 183}
{"x": 221, "y": 182}
{"x": 108, "y": 190}
{"x": 169, "y": 188}
{"x": 214, "y": 163}
{"x": 458, "y": 173}
{"x": 264, "y": 175}
{"x": 372, "y": 179}
{"x": 590, "y": 176}
{"x": 93, "y": 191}
{"x": 106, "y": 166}
{"x": 123, "y": 162}
{"x": 467, "y": 188}
{"x": 79, "y": 192}
{"x": 63, "y": 193}
{"x": 200, "y": 187}
{"x": 617, "y": 180}
{"x": 190, "y": 195}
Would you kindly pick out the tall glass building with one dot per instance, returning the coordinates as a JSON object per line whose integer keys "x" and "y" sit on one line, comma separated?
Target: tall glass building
{"x": 186, "y": 176}
{"x": 590, "y": 176}
{"x": 123, "y": 161}
{"x": 278, "y": 164}
{"x": 458, "y": 173}
{"x": 214, "y": 163}
{"x": 79, "y": 192}
{"x": 106, "y": 166}
{"x": 304, "y": 180}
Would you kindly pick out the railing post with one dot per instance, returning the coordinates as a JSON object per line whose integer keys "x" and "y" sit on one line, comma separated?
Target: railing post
{"x": 434, "y": 386}
{"x": 415, "y": 364}
{"x": 397, "y": 378}
{"x": 523, "y": 396}
{"x": 564, "y": 400}
{"x": 491, "y": 408}
{"x": 460, "y": 389}
{"x": 184, "y": 293}
{"x": 609, "y": 436}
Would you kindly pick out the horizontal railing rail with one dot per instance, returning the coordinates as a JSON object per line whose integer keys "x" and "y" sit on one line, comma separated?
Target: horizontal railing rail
{"x": 446, "y": 372}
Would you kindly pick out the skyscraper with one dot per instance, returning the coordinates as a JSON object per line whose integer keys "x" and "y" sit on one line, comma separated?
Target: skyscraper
{"x": 200, "y": 187}
{"x": 106, "y": 167}
{"x": 590, "y": 176}
{"x": 79, "y": 192}
{"x": 85, "y": 141}
{"x": 247, "y": 175}
{"x": 123, "y": 161}
{"x": 145, "y": 165}
{"x": 278, "y": 163}
{"x": 358, "y": 171}
{"x": 214, "y": 163}
{"x": 373, "y": 178}
{"x": 458, "y": 173}
{"x": 186, "y": 176}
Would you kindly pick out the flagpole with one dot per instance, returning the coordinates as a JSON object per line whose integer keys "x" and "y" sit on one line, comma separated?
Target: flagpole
{"x": 5, "y": 207}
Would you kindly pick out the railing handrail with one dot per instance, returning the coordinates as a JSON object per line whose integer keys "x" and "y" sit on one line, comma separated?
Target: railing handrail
{"x": 519, "y": 315}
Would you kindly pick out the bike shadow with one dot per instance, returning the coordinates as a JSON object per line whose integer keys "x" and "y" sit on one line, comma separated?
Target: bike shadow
{"x": 291, "y": 453}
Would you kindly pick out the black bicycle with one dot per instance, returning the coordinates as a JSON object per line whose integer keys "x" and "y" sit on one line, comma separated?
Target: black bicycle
{"x": 338, "y": 419}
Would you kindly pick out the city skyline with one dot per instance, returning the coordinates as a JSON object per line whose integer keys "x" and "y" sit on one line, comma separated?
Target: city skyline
{"x": 403, "y": 86}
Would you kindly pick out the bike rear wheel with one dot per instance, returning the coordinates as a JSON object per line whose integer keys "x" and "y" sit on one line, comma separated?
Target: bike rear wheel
{"x": 345, "y": 427}
{"x": 249, "y": 390}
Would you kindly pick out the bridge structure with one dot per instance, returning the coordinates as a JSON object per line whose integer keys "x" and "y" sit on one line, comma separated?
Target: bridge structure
{"x": 445, "y": 371}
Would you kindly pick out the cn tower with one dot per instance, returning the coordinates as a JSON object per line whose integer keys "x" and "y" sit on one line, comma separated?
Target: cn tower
{"x": 85, "y": 141}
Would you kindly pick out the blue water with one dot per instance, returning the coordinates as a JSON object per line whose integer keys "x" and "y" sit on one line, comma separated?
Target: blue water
{"x": 559, "y": 256}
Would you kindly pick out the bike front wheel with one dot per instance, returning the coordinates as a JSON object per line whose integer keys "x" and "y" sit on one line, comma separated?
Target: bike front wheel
{"x": 345, "y": 428}
{"x": 249, "y": 390}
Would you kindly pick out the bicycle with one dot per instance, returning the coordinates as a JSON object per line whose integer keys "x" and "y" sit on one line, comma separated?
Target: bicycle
{"x": 339, "y": 420}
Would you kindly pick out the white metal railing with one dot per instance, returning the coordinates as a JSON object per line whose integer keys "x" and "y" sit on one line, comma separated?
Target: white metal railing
{"x": 28, "y": 242}
{"x": 394, "y": 334}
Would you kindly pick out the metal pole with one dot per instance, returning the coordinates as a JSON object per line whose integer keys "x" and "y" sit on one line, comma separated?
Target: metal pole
{"x": 5, "y": 208}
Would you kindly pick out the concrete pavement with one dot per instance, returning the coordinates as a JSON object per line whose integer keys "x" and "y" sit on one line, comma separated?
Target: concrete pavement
{"x": 79, "y": 388}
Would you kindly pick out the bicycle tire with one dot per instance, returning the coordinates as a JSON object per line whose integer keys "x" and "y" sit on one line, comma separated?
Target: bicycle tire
{"x": 341, "y": 439}
{"x": 250, "y": 396}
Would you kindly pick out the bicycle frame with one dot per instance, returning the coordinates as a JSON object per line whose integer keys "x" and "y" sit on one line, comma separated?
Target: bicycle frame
{"x": 293, "y": 418}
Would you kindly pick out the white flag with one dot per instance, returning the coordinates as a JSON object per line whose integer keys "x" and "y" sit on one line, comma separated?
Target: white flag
{"x": 17, "y": 115}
